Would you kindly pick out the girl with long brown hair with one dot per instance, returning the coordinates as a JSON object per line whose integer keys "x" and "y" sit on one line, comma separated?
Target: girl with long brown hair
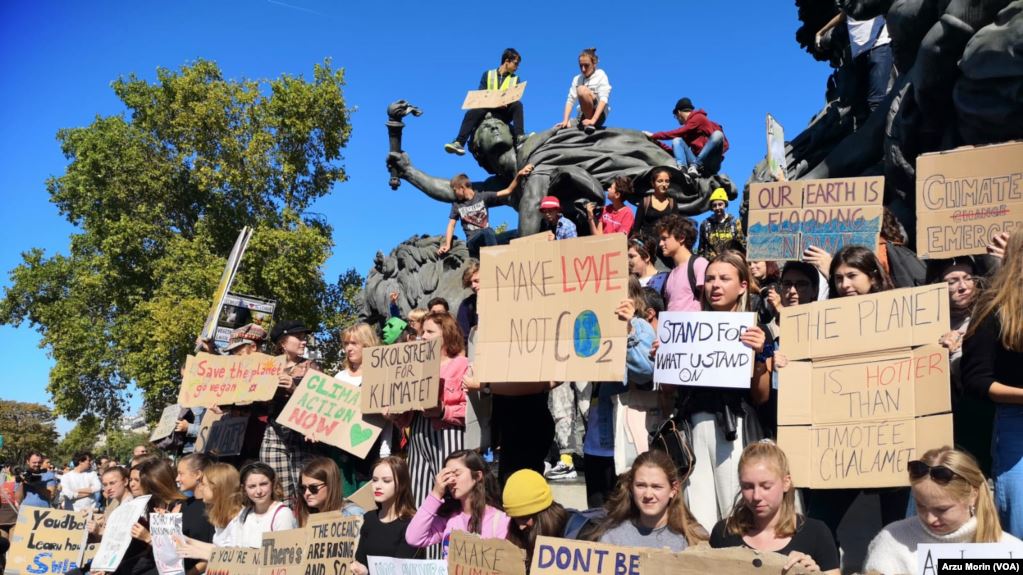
{"x": 647, "y": 508}
{"x": 221, "y": 492}
{"x": 383, "y": 529}
{"x": 764, "y": 518}
{"x": 320, "y": 486}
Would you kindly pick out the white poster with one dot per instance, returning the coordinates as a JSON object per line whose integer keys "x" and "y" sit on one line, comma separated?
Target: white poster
{"x": 164, "y": 527}
{"x": 702, "y": 348}
{"x": 394, "y": 566}
{"x": 928, "y": 555}
{"x": 117, "y": 534}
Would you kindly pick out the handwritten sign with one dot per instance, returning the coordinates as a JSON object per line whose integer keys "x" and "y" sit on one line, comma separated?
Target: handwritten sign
{"x": 401, "y": 377}
{"x": 208, "y": 419}
{"x": 211, "y": 380}
{"x": 550, "y": 311}
{"x": 702, "y": 560}
{"x": 46, "y": 541}
{"x": 234, "y": 561}
{"x": 394, "y": 566}
{"x": 875, "y": 322}
{"x": 90, "y": 552}
{"x": 363, "y": 497}
{"x": 966, "y": 196}
{"x": 486, "y": 99}
{"x": 776, "y": 162}
{"x": 168, "y": 420}
{"x": 284, "y": 552}
{"x": 227, "y": 436}
{"x": 470, "y": 554}
{"x": 326, "y": 409}
{"x": 117, "y": 534}
{"x": 554, "y": 556}
{"x": 703, "y": 349}
{"x": 787, "y": 217}
{"x": 333, "y": 540}
{"x": 929, "y": 554}
{"x": 164, "y": 527}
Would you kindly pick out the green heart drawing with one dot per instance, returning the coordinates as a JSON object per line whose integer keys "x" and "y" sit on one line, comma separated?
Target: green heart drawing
{"x": 358, "y": 434}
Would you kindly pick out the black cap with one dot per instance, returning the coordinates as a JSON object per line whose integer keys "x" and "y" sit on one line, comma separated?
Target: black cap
{"x": 287, "y": 327}
{"x": 683, "y": 105}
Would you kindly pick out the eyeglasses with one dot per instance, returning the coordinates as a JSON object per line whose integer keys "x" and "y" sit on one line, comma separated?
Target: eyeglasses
{"x": 939, "y": 473}
{"x": 314, "y": 489}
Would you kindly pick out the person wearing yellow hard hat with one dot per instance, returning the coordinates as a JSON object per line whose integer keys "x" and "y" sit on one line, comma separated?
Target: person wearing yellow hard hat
{"x": 721, "y": 230}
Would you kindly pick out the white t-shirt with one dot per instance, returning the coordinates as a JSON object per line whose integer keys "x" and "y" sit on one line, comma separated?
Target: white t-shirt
{"x": 72, "y": 481}
{"x": 250, "y": 534}
{"x": 866, "y": 34}
{"x": 356, "y": 380}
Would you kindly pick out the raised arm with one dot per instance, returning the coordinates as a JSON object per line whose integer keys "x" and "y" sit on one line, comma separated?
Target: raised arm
{"x": 437, "y": 188}
{"x": 525, "y": 171}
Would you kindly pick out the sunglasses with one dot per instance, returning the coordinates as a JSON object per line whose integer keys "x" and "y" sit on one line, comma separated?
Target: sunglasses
{"x": 939, "y": 473}
{"x": 314, "y": 489}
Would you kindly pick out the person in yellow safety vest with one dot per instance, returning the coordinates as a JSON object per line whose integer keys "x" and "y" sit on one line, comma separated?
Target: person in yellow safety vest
{"x": 501, "y": 78}
{"x": 720, "y": 231}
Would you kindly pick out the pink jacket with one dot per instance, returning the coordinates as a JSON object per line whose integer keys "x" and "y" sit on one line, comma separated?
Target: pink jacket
{"x": 427, "y": 528}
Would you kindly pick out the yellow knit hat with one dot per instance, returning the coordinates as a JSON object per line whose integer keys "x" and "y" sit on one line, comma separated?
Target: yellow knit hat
{"x": 719, "y": 194}
{"x": 526, "y": 493}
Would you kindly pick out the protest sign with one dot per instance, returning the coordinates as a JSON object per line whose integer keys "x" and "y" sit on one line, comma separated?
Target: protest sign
{"x": 46, "y": 541}
{"x": 239, "y": 310}
{"x": 470, "y": 554}
{"x": 327, "y": 409}
{"x": 333, "y": 539}
{"x": 486, "y": 99}
{"x": 929, "y": 554}
{"x": 537, "y": 237}
{"x": 885, "y": 320}
{"x": 168, "y": 420}
{"x": 702, "y": 348}
{"x": 866, "y": 389}
{"x": 164, "y": 527}
{"x": 227, "y": 436}
{"x": 234, "y": 561}
{"x": 117, "y": 533}
{"x": 226, "y": 278}
{"x": 401, "y": 377}
{"x": 201, "y": 438}
{"x": 363, "y": 497}
{"x": 966, "y": 196}
{"x": 284, "y": 552}
{"x": 549, "y": 310}
{"x": 554, "y": 556}
{"x": 210, "y": 380}
{"x": 787, "y": 217}
{"x": 90, "y": 552}
{"x": 702, "y": 560}
{"x": 394, "y": 566}
{"x": 776, "y": 163}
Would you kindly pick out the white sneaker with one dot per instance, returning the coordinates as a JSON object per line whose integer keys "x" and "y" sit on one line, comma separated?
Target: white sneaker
{"x": 561, "y": 471}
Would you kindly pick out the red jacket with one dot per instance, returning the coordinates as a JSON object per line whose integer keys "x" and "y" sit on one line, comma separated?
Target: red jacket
{"x": 694, "y": 132}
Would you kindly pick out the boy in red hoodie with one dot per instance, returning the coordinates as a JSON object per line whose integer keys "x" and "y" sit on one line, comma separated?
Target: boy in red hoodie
{"x": 699, "y": 145}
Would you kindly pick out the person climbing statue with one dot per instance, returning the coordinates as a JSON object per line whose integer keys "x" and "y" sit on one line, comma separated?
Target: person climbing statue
{"x": 501, "y": 78}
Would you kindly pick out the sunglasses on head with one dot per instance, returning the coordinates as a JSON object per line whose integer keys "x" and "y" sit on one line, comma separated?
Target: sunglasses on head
{"x": 939, "y": 473}
{"x": 314, "y": 489}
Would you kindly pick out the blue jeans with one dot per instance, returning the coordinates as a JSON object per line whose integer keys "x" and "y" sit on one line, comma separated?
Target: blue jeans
{"x": 710, "y": 156}
{"x": 487, "y": 237}
{"x": 874, "y": 72}
{"x": 1007, "y": 468}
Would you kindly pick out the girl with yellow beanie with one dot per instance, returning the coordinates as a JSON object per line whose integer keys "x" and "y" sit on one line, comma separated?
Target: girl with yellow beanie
{"x": 528, "y": 501}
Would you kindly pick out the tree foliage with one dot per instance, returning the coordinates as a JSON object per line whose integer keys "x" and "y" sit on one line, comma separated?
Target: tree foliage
{"x": 82, "y": 438}
{"x": 158, "y": 195}
{"x": 24, "y": 427}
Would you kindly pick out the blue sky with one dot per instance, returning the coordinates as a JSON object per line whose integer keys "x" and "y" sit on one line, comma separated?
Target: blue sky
{"x": 738, "y": 60}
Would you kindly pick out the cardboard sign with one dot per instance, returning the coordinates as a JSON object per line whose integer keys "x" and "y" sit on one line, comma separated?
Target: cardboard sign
{"x": 90, "y": 552}
{"x": 226, "y": 279}
{"x": 702, "y": 349}
{"x": 46, "y": 541}
{"x": 537, "y": 237}
{"x": 486, "y": 99}
{"x": 776, "y": 162}
{"x": 787, "y": 217}
{"x": 333, "y": 540}
{"x": 234, "y": 561}
{"x": 549, "y": 311}
{"x": 886, "y": 320}
{"x": 702, "y": 560}
{"x": 164, "y": 527}
{"x": 168, "y": 420}
{"x": 393, "y": 566}
{"x": 966, "y": 196}
{"x": 929, "y": 554}
{"x": 117, "y": 534}
{"x": 326, "y": 409}
{"x": 470, "y": 554}
{"x": 208, "y": 419}
{"x": 284, "y": 552}
{"x": 227, "y": 436}
{"x": 363, "y": 497}
{"x": 401, "y": 377}
{"x": 554, "y": 556}
{"x": 211, "y": 380}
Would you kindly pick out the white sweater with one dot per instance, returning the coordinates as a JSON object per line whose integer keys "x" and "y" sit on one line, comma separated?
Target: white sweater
{"x": 893, "y": 551}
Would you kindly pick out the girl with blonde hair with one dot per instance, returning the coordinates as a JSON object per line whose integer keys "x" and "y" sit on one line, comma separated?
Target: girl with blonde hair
{"x": 220, "y": 488}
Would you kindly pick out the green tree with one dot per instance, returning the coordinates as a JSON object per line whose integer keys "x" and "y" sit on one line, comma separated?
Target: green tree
{"x": 159, "y": 194}
{"x": 119, "y": 444}
{"x": 82, "y": 437}
{"x": 24, "y": 427}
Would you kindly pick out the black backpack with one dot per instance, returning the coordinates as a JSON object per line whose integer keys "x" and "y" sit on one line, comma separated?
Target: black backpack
{"x": 675, "y": 438}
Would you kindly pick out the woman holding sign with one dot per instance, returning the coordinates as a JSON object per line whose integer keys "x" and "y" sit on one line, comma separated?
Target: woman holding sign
{"x": 383, "y": 529}
{"x": 154, "y": 477}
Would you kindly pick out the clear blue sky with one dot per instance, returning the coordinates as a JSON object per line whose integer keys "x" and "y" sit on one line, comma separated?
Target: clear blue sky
{"x": 738, "y": 60}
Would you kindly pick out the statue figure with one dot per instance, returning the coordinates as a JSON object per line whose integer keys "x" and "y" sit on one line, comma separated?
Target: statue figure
{"x": 573, "y": 166}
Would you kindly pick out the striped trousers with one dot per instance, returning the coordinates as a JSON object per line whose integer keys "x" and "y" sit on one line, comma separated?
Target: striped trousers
{"x": 428, "y": 447}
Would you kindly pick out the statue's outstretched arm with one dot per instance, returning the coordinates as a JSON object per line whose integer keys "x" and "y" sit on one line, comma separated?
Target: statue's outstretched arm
{"x": 437, "y": 188}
